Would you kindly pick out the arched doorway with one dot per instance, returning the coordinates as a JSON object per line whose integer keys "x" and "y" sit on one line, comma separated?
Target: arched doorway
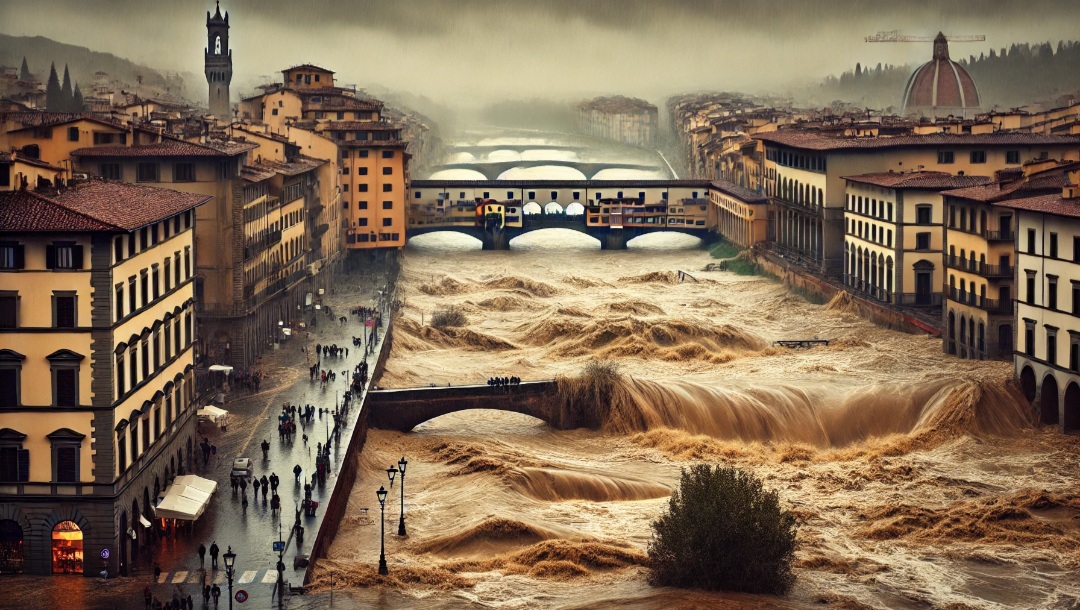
{"x": 1027, "y": 383}
{"x": 1048, "y": 401}
{"x": 11, "y": 547}
{"x": 67, "y": 548}
{"x": 1071, "y": 421}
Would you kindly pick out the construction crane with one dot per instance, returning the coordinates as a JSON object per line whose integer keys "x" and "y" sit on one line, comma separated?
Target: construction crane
{"x": 896, "y": 36}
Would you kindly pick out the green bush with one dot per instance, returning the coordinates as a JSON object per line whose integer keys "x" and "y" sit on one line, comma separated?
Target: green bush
{"x": 740, "y": 266}
{"x": 451, "y": 316}
{"x": 724, "y": 249}
{"x": 723, "y": 530}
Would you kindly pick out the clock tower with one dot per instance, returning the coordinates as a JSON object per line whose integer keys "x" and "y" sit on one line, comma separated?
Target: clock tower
{"x": 218, "y": 64}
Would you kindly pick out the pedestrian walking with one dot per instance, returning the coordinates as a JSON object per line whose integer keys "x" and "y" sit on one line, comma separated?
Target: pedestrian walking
{"x": 147, "y": 596}
{"x": 266, "y": 449}
{"x": 265, "y": 485}
{"x": 206, "y": 595}
{"x": 202, "y": 554}
{"x": 255, "y": 489}
{"x": 297, "y": 470}
{"x": 274, "y": 481}
{"x": 213, "y": 555}
{"x": 215, "y": 592}
{"x": 157, "y": 572}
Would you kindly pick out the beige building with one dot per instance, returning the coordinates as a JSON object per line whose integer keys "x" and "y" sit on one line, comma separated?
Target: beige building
{"x": 97, "y": 329}
{"x": 1047, "y": 357}
{"x": 980, "y": 259}
{"x": 19, "y": 171}
{"x": 894, "y": 235}
{"x": 738, "y": 214}
{"x": 248, "y": 278}
{"x": 804, "y": 174}
{"x": 623, "y": 119}
{"x": 371, "y": 156}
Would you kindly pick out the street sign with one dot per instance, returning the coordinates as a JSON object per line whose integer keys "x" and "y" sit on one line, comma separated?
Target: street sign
{"x": 279, "y": 546}
{"x": 104, "y": 553}
{"x": 241, "y": 596}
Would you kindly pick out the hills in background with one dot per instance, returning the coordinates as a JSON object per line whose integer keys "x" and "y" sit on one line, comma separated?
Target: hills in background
{"x": 83, "y": 62}
{"x": 1018, "y": 75}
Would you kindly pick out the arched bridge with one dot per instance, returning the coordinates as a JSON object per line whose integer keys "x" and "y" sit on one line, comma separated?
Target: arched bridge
{"x": 610, "y": 238}
{"x": 405, "y": 409}
{"x": 485, "y": 149}
{"x": 492, "y": 170}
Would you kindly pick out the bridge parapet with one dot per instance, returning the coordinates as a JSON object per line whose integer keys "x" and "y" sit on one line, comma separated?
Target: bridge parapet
{"x": 406, "y": 408}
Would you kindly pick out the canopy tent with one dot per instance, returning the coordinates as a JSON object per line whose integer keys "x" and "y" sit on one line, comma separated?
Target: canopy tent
{"x": 186, "y": 498}
{"x": 214, "y": 414}
{"x": 221, "y": 368}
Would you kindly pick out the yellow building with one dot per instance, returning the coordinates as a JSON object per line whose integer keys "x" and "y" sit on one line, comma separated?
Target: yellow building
{"x": 739, "y": 215}
{"x": 1047, "y": 357}
{"x": 371, "y": 157}
{"x": 19, "y": 171}
{"x": 96, "y": 354}
{"x": 980, "y": 259}
{"x": 894, "y": 236}
{"x": 52, "y": 136}
{"x": 804, "y": 170}
{"x": 239, "y": 317}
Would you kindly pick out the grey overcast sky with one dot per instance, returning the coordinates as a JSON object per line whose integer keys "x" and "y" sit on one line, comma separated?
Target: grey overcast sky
{"x": 466, "y": 52}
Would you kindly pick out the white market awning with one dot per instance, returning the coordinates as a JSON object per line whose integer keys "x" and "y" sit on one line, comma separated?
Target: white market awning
{"x": 186, "y": 498}
{"x": 221, "y": 368}
{"x": 214, "y": 414}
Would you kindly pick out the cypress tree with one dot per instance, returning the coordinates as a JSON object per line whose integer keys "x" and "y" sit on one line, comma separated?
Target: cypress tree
{"x": 24, "y": 72}
{"x": 52, "y": 91}
{"x": 79, "y": 104}
{"x": 67, "y": 96}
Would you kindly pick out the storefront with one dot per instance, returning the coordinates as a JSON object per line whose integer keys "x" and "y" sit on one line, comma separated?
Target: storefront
{"x": 67, "y": 548}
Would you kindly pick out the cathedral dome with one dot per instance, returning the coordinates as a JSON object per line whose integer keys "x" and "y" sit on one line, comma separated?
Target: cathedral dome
{"x": 941, "y": 86}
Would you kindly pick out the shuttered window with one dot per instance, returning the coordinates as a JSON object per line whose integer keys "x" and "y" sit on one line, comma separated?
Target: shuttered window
{"x": 67, "y": 464}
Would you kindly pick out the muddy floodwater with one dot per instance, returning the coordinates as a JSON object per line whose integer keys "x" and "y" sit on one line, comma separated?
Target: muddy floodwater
{"x": 917, "y": 477}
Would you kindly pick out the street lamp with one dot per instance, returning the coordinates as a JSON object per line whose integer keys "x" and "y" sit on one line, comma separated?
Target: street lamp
{"x": 230, "y": 561}
{"x": 381, "y": 494}
{"x": 402, "y": 463}
{"x": 390, "y": 472}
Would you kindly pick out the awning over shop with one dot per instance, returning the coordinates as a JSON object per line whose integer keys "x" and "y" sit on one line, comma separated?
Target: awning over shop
{"x": 186, "y": 498}
{"x": 215, "y": 414}
{"x": 221, "y": 368}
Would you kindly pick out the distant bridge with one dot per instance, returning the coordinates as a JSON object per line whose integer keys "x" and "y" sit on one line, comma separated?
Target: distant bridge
{"x": 407, "y": 408}
{"x": 610, "y": 238}
{"x": 518, "y": 148}
{"x": 492, "y": 170}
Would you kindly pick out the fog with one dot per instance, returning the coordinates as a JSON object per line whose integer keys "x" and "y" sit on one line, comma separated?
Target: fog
{"x": 467, "y": 53}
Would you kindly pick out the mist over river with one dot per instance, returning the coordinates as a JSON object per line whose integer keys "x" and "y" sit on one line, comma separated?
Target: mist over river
{"x": 917, "y": 477}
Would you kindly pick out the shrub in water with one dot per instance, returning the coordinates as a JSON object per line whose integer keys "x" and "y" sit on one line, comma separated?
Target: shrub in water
{"x": 723, "y": 530}
{"x": 449, "y": 317}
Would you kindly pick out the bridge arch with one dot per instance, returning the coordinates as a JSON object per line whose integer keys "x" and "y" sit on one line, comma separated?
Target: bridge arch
{"x": 553, "y": 207}
{"x": 405, "y": 409}
{"x": 575, "y": 209}
{"x": 531, "y": 208}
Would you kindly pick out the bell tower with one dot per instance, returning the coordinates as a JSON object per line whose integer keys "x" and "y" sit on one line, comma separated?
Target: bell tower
{"x": 218, "y": 64}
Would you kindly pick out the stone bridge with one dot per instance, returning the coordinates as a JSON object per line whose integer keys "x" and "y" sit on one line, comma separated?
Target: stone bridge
{"x": 407, "y": 408}
{"x": 610, "y": 238}
{"x": 486, "y": 149}
{"x": 492, "y": 170}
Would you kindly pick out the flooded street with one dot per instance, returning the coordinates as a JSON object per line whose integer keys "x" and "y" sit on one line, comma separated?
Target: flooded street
{"x": 917, "y": 478}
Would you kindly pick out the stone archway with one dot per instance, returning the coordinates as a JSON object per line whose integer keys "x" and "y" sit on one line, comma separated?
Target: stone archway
{"x": 1048, "y": 401}
{"x": 1071, "y": 421}
{"x": 67, "y": 548}
{"x": 1027, "y": 384}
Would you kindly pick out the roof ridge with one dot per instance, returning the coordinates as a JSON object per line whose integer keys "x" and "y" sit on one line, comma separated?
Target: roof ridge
{"x": 74, "y": 211}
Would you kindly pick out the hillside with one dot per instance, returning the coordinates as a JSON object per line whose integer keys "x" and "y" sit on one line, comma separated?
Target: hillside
{"x": 83, "y": 63}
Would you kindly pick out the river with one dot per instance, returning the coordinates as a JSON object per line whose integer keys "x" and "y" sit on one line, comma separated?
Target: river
{"x": 917, "y": 477}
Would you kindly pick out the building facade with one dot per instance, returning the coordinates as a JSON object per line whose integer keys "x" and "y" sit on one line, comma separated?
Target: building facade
{"x": 97, "y": 330}
{"x": 1047, "y": 358}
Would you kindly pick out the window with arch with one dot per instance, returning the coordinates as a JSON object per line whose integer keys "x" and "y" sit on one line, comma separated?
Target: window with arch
{"x": 217, "y": 44}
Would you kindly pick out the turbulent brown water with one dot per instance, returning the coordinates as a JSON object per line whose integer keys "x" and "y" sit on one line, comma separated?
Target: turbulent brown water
{"x": 918, "y": 478}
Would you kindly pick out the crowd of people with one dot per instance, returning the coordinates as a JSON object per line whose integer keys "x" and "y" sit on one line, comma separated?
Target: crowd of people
{"x": 249, "y": 379}
{"x": 502, "y": 382}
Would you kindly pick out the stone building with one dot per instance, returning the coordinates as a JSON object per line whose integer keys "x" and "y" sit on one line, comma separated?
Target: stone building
{"x": 97, "y": 332}
{"x": 619, "y": 118}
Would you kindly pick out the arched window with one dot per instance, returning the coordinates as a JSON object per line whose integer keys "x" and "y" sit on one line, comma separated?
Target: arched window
{"x": 67, "y": 548}
{"x": 217, "y": 44}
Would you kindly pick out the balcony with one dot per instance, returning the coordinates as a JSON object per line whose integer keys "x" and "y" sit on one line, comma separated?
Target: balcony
{"x": 983, "y": 269}
{"x": 912, "y": 299}
{"x": 319, "y": 230}
{"x": 997, "y": 306}
{"x": 999, "y": 235}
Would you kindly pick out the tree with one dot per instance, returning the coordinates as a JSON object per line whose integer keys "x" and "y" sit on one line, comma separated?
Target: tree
{"x": 67, "y": 97}
{"x": 723, "y": 530}
{"x": 24, "y": 71}
{"x": 53, "y": 98}
{"x": 78, "y": 104}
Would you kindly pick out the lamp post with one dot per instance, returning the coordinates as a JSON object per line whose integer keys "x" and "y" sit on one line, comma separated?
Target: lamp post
{"x": 230, "y": 561}
{"x": 381, "y": 494}
{"x": 402, "y": 463}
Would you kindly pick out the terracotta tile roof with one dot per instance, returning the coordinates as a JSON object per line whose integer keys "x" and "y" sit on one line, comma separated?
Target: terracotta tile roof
{"x": 739, "y": 192}
{"x": 307, "y": 67}
{"x": 810, "y": 140}
{"x": 360, "y": 126}
{"x": 253, "y": 173}
{"x": 295, "y": 167}
{"x": 16, "y": 156}
{"x": 92, "y": 206}
{"x": 230, "y": 147}
{"x": 372, "y": 143}
{"x": 1000, "y": 191}
{"x": 167, "y": 148}
{"x": 1047, "y": 204}
{"x": 919, "y": 180}
{"x": 34, "y": 119}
